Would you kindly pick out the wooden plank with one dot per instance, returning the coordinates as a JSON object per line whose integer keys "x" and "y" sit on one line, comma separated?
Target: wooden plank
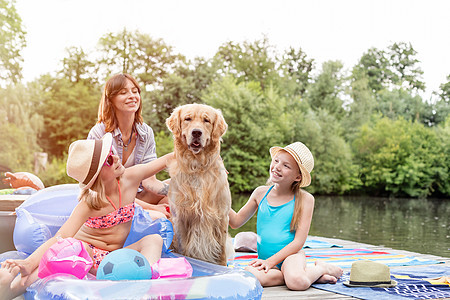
{"x": 7, "y": 222}
{"x": 10, "y": 202}
{"x": 14, "y": 197}
{"x": 282, "y": 292}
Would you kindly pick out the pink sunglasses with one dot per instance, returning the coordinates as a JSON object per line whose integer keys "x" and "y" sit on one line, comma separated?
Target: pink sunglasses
{"x": 109, "y": 159}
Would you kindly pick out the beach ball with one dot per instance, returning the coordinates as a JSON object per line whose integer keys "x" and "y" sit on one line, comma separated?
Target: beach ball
{"x": 124, "y": 264}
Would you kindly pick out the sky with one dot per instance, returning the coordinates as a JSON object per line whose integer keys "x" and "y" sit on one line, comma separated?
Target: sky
{"x": 324, "y": 29}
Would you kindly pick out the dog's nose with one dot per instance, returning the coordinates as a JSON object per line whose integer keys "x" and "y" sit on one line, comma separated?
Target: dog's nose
{"x": 196, "y": 133}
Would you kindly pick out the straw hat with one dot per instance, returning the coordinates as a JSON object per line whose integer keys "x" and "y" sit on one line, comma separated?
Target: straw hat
{"x": 86, "y": 159}
{"x": 367, "y": 273}
{"x": 302, "y": 156}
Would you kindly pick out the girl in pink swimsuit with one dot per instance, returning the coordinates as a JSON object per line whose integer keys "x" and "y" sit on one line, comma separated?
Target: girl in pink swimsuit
{"x": 102, "y": 218}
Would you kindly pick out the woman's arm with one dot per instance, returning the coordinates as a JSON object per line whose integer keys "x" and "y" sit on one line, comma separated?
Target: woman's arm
{"x": 156, "y": 186}
{"x": 162, "y": 208}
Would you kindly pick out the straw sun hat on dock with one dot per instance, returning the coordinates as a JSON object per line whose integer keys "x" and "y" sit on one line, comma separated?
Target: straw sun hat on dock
{"x": 367, "y": 273}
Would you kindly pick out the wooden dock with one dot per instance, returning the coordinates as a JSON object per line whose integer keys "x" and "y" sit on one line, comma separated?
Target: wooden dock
{"x": 9, "y": 202}
{"x": 282, "y": 292}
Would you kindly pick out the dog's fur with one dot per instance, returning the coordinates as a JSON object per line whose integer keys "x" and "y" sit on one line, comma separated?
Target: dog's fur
{"x": 199, "y": 194}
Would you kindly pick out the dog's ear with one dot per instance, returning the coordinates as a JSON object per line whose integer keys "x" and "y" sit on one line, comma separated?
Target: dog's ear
{"x": 220, "y": 126}
{"x": 173, "y": 122}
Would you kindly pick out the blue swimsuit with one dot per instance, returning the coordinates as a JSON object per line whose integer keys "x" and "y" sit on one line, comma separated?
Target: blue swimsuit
{"x": 273, "y": 227}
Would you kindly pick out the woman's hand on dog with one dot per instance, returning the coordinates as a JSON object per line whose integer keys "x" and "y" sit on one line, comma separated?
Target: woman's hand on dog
{"x": 163, "y": 208}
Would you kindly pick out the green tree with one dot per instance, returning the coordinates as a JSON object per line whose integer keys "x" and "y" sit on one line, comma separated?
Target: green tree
{"x": 246, "y": 143}
{"x": 150, "y": 60}
{"x": 401, "y": 104}
{"x": 334, "y": 171}
{"x": 395, "y": 67}
{"x": 362, "y": 106}
{"x": 404, "y": 66}
{"x": 441, "y": 108}
{"x": 55, "y": 173}
{"x": 116, "y": 52}
{"x": 69, "y": 111}
{"x": 77, "y": 67}
{"x": 19, "y": 128}
{"x": 442, "y": 175}
{"x": 158, "y": 104}
{"x": 183, "y": 86}
{"x": 260, "y": 119}
{"x": 399, "y": 157}
{"x": 373, "y": 66}
{"x": 248, "y": 61}
{"x": 12, "y": 42}
{"x": 325, "y": 92}
{"x": 16, "y": 154}
{"x": 444, "y": 93}
{"x": 295, "y": 69}
{"x": 164, "y": 145}
{"x": 153, "y": 59}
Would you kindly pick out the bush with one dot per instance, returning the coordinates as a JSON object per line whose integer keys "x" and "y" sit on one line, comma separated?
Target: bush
{"x": 164, "y": 145}
{"x": 16, "y": 153}
{"x": 442, "y": 176}
{"x": 399, "y": 157}
{"x": 55, "y": 173}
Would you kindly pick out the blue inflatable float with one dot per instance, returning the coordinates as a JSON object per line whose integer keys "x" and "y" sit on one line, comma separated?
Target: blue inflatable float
{"x": 38, "y": 219}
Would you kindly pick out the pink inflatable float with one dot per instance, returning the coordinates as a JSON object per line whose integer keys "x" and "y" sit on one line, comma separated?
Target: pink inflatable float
{"x": 66, "y": 256}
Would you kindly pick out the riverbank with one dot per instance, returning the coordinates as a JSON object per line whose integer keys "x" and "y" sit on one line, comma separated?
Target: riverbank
{"x": 282, "y": 292}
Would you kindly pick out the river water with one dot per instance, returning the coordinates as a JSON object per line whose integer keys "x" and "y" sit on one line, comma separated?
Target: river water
{"x": 417, "y": 225}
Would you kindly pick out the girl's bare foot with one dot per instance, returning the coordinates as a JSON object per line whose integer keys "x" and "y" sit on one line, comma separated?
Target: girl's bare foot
{"x": 327, "y": 279}
{"x": 7, "y": 275}
{"x": 330, "y": 269}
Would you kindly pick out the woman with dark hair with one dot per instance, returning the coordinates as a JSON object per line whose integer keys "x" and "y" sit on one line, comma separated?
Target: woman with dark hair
{"x": 119, "y": 112}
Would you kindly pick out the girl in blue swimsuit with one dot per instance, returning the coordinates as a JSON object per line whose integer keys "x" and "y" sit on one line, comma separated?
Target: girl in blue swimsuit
{"x": 283, "y": 220}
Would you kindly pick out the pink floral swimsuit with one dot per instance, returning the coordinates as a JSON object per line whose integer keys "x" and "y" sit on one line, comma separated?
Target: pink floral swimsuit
{"x": 121, "y": 215}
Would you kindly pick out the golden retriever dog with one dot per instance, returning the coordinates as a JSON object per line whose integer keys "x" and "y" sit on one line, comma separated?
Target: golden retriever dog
{"x": 199, "y": 194}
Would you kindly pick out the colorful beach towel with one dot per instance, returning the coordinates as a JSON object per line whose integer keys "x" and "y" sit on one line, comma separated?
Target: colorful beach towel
{"x": 343, "y": 258}
{"x": 250, "y": 246}
{"x": 413, "y": 283}
{"x": 312, "y": 243}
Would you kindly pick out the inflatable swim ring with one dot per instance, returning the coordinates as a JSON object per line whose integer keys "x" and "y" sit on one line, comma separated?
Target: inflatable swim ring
{"x": 40, "y": 216}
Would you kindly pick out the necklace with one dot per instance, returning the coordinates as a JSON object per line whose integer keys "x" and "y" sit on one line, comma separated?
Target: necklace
{"x": 125, "y": 147}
